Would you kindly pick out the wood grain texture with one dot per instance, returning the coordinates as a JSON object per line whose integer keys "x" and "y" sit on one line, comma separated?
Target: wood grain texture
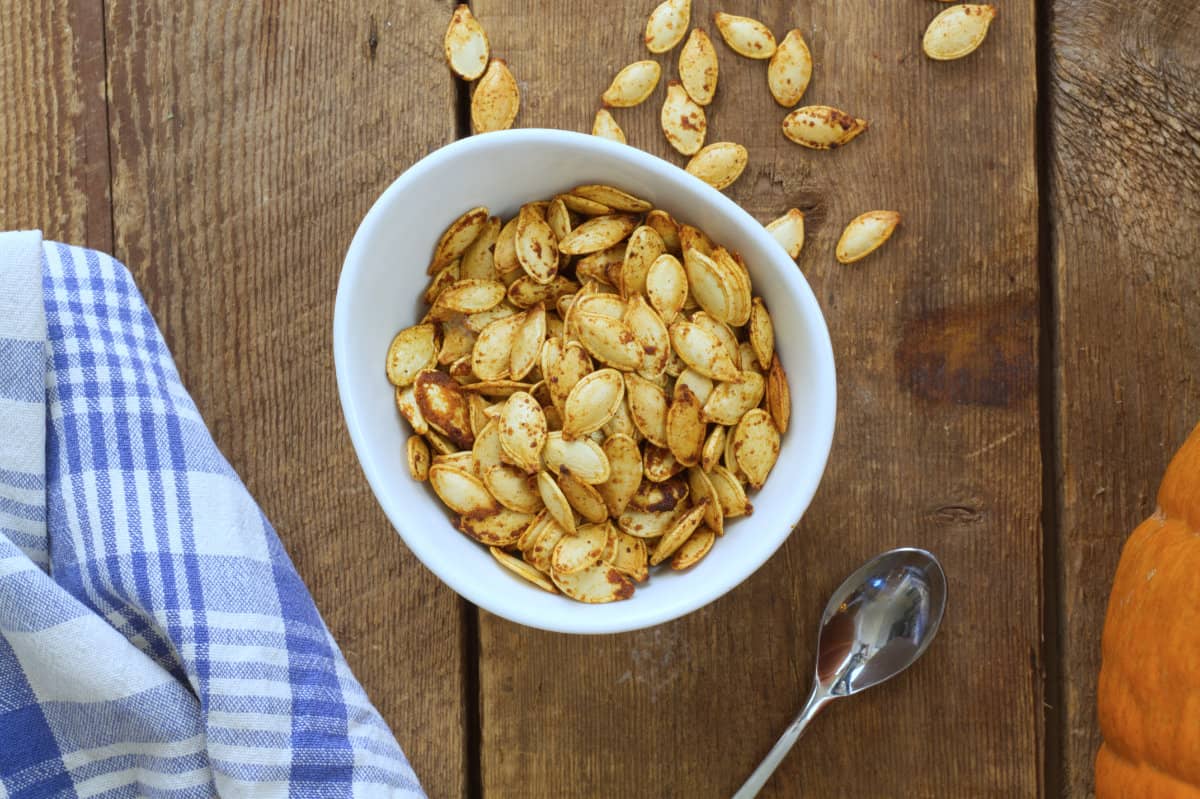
{"x": 53, "y": 131}
{"x": 937, "y": 440}
{"x": 249, "y": 140}
{"x": 1125, "y": 192}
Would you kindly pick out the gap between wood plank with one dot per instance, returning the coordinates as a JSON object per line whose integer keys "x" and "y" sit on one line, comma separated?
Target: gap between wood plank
{"x": 472, "y": 698}
{"x": 1053, "y": 721}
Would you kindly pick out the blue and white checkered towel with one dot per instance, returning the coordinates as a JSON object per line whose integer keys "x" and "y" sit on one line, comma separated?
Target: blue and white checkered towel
{"x": 155, "y": 639}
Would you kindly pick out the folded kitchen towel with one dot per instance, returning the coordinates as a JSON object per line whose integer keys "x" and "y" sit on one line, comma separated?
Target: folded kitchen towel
{"x": 155, "y": 639}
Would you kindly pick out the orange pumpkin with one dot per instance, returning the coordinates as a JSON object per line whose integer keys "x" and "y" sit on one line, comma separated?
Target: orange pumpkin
{"x": 1149, "y": 697}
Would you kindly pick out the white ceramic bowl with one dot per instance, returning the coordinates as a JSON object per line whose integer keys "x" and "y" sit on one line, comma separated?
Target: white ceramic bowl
{"x": 379, "y": 293}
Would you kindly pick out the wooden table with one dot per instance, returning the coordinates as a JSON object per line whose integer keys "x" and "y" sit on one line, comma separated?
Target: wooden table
{"x": 1015, "y": 367}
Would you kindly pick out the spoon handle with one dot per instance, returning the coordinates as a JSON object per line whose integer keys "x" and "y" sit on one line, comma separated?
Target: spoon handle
{"x": 766, "y": 768}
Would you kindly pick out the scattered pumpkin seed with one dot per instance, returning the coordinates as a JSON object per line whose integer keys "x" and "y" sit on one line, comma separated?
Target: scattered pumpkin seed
{"x": 466, "y": 44}
{"x": 632, "y": 85}
{"x": 719, "y": 164}
{"x": 683, "y": 121}
{"x": 667, "y": 24}
{"x": 698, "y": 69}
{"x": 821, "y": 127}
{"x": 745, "y": 36}
{"x": 496, "y": 100}
{"x": 790, "y": 69}
{"x": 865, "y": 234}
{"x": 957, "y": 31}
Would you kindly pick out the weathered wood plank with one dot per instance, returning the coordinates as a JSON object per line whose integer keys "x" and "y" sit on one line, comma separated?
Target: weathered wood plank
{"x": 1125, "y": 218}
{"x": 248, "y": 141}
{"x": 937, "y": 439}
{"x": 53, "y": 132}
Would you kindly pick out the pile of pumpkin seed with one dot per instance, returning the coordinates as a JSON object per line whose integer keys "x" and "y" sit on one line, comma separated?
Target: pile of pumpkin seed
{"x": 954, "y": 33}
{"x": 592, "y": 390}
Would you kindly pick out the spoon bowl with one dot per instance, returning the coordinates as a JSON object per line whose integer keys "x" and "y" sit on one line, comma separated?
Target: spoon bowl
{"x": 880, "y": 620}
{"x": 877, "y": 623}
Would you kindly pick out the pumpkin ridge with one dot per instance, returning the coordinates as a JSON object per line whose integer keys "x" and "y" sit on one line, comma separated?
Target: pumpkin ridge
{"x": 1149, "y": 691}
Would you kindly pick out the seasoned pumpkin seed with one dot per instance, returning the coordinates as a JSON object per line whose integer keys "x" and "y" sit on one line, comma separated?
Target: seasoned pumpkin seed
{"x": 556, "y": 502}
{"x": 606, "y": 127}
{"x": 779, "y": 397}
{"x": 719, "y": 164}
{"x": 592, "y": 402}
{"x": 632, "y": 85}
{"x": 666, "y": 228}
{"x": 625, "y": 473}
{"x": 500, "y": 528}
{"x": 461, "y": 491}
{"x": 582, "y": 457}
{"x": 865, "y": 234}
{"x": 496, "y": 100}
{"x": 491, "y": 356}
{"x": 667, "y": 24}
{"x": 412, "y": 350}
{"x": 702, "y": 351}
{"x": 466, "y": 44}
{"x": 683, "y": 121}
{"x": 788, "y": 230}
{"x": 595, "y": 584}
{"x": 585, "y": 499}
{"x": 745, "y": 36}
{"x": 444, "y": 406}
{"x": 790, "y": 69}
{"x": 478, "y": 260}
{"x": 698, "y": 70}
{"x": 761, "y": 333}
{"x": 693, "y": 550}
{"x": 680, "y": 532}
{"x": 457, "y": 237}
{"x": 821, "y": 127}
{"x": 536, "y": 245}
{"x": 523, "y": 431}
{"x": 957, "y": 31}
{"x": 667, "y": 286}
{"x": 685, "y": 427}
{"x": 598, "y": 233}
{"x": 523, "y": 569}
{"x": 417, "y": 452}
{"x": 756, "y": 446}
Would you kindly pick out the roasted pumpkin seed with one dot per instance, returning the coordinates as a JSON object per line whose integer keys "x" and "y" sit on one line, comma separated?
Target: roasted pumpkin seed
{"x": 685, "y": 427}
{"x": 632, "y": 85}
{"x": 556, "y": 502}
{"x": 466, "y": 44}
{"x": 598, "y": 233}
{"x": 957, "y": 31}
{"x": 496, "y": 100}
{"x": 536, "y": 245}
{"x": 683, "y": 121}
{"x": 820, "y": 127}
{"x": 461, "y": 491}
{"x": 698, "y": 70}
{"x": 523, "y": 431}
{"x": 595, "y": 584}
{"x": 667, "y": 24}
{"x": 788, "y": 230}
{"x": 702, "y": 351}
{"x": 606, "y": 127}
{"x": 719, "y": 164}
{"x": 673, "y": 539}
{"x": 693, "y": 550}
{"x": 790, "y": 69}
{"x": 582, "y": 457}
{"x": 417, "y": 452}
{"x": 865, "y": 234}
{"x": 779, "y": 397}
{"x": 745, "y": 36}
{"x": 500, "y": 528}
{"x": 412, "y": 350}
{"x": 523, "y": 569}
{"x": 592, "y": 402}
{"x": 756, "y": 446}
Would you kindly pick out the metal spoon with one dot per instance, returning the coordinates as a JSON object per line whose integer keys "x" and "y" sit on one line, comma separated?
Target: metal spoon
{"x": 875, "y": 625}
